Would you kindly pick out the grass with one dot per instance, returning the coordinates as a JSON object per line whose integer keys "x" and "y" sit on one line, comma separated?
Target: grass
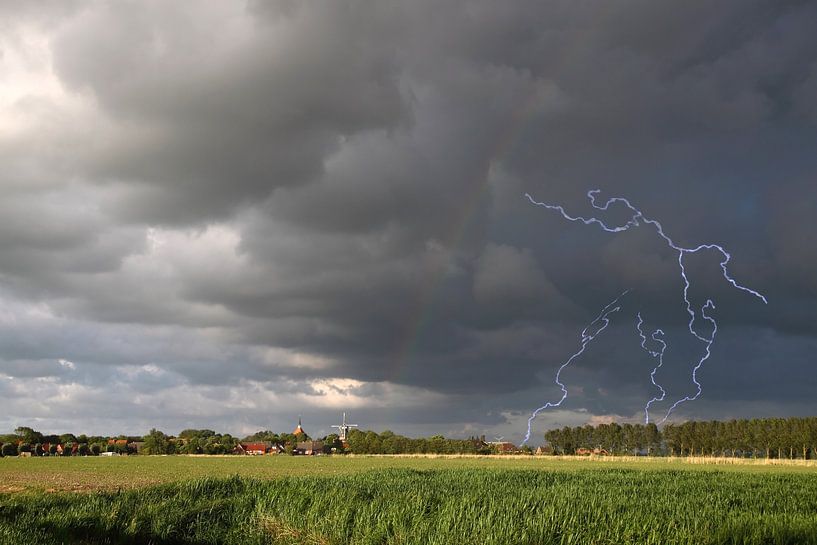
{"x": 373, "y": 500}
{"x": 101, "y": 473}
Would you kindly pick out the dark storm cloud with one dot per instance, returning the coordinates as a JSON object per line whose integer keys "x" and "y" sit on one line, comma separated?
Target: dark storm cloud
{"x": 218, "y": 108}
{"x": 310, "y": 191}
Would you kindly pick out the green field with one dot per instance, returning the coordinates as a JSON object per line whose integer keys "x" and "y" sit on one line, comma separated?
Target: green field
{"x": 338, "y": 500}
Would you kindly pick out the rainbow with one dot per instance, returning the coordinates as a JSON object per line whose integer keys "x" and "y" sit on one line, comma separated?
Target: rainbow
{"x": 420, "y": 315}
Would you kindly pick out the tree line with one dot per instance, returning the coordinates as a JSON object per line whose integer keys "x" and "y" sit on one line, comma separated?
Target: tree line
{"x": 205, "y": 441}
{"x": 388, "y": 442}
{"x": 358, "y": 442}
{"x": 759, "y": 437}
{"x": 765, "y": 437}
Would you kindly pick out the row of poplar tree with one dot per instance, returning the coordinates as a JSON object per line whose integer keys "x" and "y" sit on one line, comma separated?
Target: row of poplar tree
{"x": 759, "y": 437}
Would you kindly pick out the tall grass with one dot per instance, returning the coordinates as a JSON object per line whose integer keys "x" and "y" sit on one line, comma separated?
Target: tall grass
{"x": 437, "y": 507}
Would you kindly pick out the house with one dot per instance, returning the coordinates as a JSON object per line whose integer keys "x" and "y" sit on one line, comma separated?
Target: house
{"x": 587, "y": 452}
{"x": 502, "y": 447}
{"x": 258, "y": 448}
{"x": 309, "y": 448}
{"x": 543, "y": 451}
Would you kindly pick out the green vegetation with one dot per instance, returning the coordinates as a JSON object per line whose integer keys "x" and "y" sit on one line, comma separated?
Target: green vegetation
{"x": 606, "y": 504}
{"x": 434, "y": 500}
{"x": 768, "y": 437}
{"x": 388, "y": 442}
{"x": 91, "y": 474}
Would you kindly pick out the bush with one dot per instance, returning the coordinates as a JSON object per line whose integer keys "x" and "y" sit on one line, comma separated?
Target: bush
{"x": 52, "y": 450}
{"x": 25, "y": 447}
{"x": 9, "y": 449}
{"x": 96, "y": 449}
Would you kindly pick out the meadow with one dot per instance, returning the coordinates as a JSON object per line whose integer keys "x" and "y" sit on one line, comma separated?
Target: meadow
{"x": 405, "y": 500}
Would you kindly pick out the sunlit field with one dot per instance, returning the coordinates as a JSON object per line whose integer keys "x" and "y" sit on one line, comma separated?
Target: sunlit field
{"x": 406, "y": 500}
{"x": 101, "y": 473}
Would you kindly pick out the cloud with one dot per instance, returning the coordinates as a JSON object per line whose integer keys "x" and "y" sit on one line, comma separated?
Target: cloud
{"x": 323, "y": 201}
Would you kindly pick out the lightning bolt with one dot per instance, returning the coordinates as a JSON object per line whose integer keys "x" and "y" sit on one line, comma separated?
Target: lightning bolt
{"x": 659, "y": 354}
{"x": 586, "y": 338}
{"x": 707, "y": 352}
{"x": 637, "y": 218}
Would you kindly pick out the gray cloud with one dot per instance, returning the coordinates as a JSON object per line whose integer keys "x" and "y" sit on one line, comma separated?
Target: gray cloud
{"x": 324, "y": 200}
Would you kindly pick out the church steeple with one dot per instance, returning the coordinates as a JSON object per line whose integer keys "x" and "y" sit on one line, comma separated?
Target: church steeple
{"x": 299, "y": 429}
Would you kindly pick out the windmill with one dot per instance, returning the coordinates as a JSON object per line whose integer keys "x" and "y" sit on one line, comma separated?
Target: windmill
{"x": 343, "y": 429}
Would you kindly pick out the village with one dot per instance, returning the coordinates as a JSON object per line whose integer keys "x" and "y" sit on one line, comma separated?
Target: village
{"x": 27, "y": 442}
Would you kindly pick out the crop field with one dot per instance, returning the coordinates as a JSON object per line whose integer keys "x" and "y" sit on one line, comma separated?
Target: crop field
{"x": 367, "y": 500}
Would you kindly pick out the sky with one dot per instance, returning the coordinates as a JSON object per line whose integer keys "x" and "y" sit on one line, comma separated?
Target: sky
{"x": 225, "y": 215}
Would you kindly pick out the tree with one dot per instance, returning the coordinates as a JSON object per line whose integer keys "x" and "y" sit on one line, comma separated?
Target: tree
{"x": 52, "y": 449}
{"x": 9, "y": 449}
{"x": 629, "y": 438}
{"x": 156, "y": 442}
{"x": 553, "y": 438}
{"x": 191, "y": 446}
{"x": 357, "y": 441}
{"x": 373, "y": 445}
{"x": 265, "y": 435}
{"x": 812, "y": 435}
{"x": 193, "y": 433}
{"x": 96, "y": 448}
{"x": 652, "y": 438}
{"x": 334, "y": 444}
{"x": 28, "y": 435}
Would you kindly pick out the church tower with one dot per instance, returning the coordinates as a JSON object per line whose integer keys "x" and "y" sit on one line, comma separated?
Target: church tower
{"x": 299, "y": 429}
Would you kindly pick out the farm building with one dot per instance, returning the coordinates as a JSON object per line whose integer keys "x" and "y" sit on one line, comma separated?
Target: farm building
{"x": 502, "y": 447}
{"x": 588, "y": 452}
{"x": 258, "y": 448}
{"x": 309, "y": 448}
